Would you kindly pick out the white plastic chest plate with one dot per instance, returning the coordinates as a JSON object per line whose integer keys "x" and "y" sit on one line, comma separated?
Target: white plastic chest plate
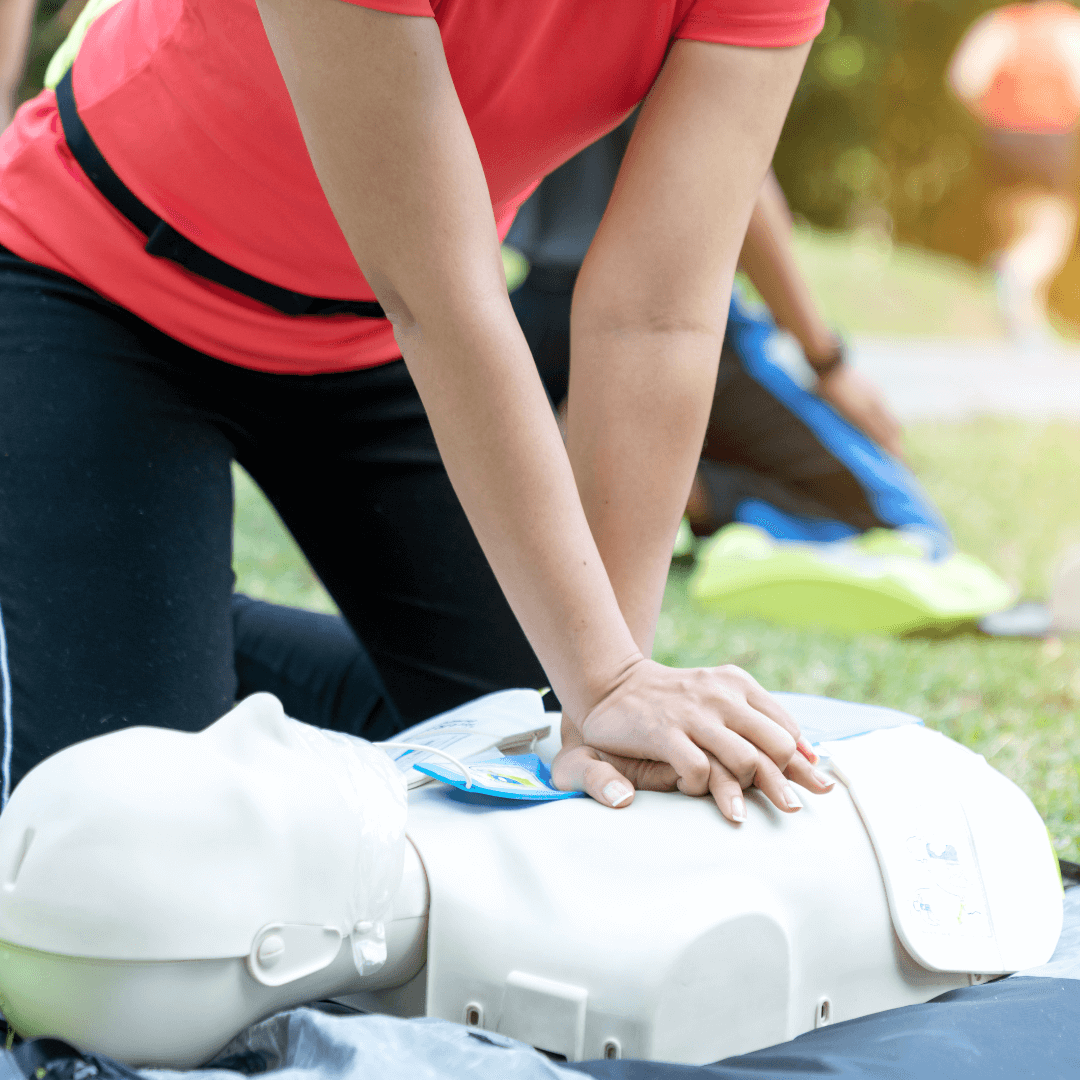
{"x": 664, "y": 932}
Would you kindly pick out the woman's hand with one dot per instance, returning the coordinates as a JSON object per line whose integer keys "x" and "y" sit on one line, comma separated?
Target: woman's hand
{"x": 858, "y": 400}
{"x": 699, "y": 730}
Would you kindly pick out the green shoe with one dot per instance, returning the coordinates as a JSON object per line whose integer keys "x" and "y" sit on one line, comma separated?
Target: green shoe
{"x": 881, "y": 580}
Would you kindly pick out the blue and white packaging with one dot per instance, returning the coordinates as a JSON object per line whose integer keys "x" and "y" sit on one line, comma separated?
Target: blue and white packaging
{"x": 522, "y": 776}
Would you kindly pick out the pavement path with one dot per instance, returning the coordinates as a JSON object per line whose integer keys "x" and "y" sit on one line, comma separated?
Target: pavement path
{"x": 953, "y": 379}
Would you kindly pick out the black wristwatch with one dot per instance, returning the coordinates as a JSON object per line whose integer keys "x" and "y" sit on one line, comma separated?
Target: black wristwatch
{"x": 825, "y": 365}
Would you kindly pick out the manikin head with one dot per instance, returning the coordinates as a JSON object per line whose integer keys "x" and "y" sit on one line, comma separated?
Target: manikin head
{"x": 161, "y": 889}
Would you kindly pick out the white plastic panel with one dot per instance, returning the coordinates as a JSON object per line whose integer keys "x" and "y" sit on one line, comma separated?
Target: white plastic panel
{"x": 693, "y": 939}
{"x": 544, "y": 1013}
{"x": 969, "y": 870}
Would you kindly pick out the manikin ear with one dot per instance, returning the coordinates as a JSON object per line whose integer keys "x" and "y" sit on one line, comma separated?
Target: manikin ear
{"x": 284, "y": 952}
{"x": 244, "y": 732}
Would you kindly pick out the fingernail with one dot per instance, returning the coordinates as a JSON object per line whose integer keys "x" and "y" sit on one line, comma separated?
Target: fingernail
{"x": 738, "y": 809}
{"x": 617, "y": 793}
{"x": 792, "y": 800}
{"x": 821, "y": 778}
{"x": 807, "y": 751}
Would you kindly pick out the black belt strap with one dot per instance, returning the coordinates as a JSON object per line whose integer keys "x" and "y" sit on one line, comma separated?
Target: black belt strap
{"x": 166, "y": 243}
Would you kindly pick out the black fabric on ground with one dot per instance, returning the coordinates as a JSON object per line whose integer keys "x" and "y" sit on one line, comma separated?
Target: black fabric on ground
{"x": 1007, "y": 1030}
{"x": 773, "y": 451}
{"x": 54, "y": 1059}
{"x": 116, "y": 526}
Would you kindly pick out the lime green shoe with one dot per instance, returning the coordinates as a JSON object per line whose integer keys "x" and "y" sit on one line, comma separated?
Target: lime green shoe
{"x": 881, "y": 580}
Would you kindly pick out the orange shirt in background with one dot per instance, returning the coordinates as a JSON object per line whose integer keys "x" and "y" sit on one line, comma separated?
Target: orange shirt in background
{"x": 1034, "y": 88}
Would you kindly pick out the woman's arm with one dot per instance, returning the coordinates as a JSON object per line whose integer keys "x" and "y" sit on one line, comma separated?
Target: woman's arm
{"x": 647, "y": 325}
{"x": 396, "y": 160}
{"x": 651, "y": 301}
{"x": 402, "y": 175}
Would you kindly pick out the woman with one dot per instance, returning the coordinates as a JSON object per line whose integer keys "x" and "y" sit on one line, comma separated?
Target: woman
{"x": 306, "y": 152}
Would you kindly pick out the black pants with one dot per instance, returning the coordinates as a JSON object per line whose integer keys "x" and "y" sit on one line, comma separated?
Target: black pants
{"x": 116, "y": 584}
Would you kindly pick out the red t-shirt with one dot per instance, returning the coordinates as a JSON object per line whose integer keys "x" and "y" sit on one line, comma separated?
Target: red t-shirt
{"x": 185, "y": 100}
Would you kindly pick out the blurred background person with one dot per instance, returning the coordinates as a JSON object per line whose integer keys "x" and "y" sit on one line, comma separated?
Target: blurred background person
{"x": 819, "y": 466}
{"x": 1017, "y": 70}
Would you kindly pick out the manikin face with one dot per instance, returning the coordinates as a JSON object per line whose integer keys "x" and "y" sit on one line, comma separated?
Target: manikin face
{"x": 150, "y": 844}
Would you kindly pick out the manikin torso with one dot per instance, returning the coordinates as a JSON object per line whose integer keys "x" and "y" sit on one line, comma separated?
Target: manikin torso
{"x": 658, "y": 932}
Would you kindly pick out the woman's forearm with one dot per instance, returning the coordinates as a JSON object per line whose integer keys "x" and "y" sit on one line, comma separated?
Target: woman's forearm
{"x": 506, "y": 459}
{"x": 396, "y": 161}
{"x": 635, "y": 439}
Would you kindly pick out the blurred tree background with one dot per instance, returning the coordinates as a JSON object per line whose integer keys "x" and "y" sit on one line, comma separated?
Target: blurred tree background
{"x": 52, "y": 21}
{"x": 873, "y": 140}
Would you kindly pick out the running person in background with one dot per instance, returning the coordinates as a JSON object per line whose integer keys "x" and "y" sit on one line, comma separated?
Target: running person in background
{"x": 1017, "y": 70}
{"x": 774, "y": 455}
{"x": 270, "y": 232}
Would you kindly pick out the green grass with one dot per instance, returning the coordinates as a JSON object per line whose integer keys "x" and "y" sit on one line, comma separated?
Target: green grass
{"x": 867, "y": 286}
{"x": 267, "y": 562}
{"x": 1008, "y": 489}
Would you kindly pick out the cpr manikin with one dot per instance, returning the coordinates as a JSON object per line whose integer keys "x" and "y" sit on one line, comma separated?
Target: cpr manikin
{"x": 160, "y": 891}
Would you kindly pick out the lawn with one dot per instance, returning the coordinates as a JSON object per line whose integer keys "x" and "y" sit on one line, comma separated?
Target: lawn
{"x": 1009, "y": 491}
{"x": 869, "y": 286}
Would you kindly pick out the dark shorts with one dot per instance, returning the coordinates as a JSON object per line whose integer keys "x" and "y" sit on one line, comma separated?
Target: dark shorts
{"x": 1046, "y": 159}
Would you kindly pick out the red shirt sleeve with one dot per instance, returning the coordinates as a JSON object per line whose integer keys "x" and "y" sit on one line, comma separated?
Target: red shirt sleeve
{"x": 397, "y": 7}
{"x": 760, "y": 23}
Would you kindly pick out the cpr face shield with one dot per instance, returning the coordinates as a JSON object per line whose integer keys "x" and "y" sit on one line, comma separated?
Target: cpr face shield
{"x": 176, "y": 886}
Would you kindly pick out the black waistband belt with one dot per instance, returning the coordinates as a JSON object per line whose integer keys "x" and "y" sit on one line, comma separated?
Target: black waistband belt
{"x": 166, "y": 243}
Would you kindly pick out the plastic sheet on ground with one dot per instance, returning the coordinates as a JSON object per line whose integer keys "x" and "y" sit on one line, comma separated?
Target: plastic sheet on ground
{"x": 306, "y": 1044}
